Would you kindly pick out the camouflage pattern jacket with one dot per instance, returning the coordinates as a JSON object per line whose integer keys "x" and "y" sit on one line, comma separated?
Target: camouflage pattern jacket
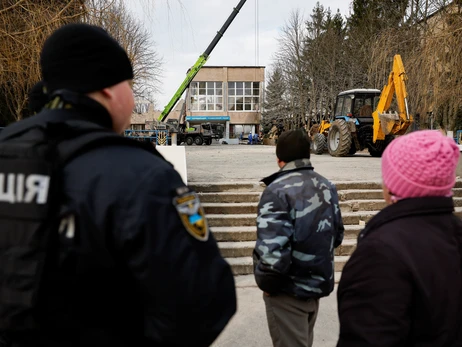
{"x": 298, "y": 226}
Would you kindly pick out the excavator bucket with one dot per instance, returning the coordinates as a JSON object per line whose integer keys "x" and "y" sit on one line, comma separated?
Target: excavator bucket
{"x": 388, "y": 121}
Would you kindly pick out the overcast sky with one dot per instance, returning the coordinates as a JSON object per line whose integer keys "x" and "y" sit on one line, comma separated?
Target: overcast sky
{"x": 182, "y": 30}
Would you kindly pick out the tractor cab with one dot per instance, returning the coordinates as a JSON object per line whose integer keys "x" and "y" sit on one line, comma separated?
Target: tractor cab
{"x": 358, "y": 104}
{"x": 352, "y": 129}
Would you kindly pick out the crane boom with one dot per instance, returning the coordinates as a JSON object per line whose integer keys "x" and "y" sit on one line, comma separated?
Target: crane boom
{"x": 192, "y": 72}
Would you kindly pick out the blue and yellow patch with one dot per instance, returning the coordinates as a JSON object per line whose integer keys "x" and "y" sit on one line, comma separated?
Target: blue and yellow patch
{"x": 192, "y": 214}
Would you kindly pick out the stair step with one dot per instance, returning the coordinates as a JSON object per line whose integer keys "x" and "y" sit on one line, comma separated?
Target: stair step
{"x": 362, "y": 205}
{"x": 227, "y": 187}
{"x": 230, "y": 208}
{"x": 229, "y": 197}
{"x": 458, "y": 212}
{"x": 252, "y": 207}
{"x": 340, "y": 262}
{"x": 234, "y": 233}
{"x": 256, "y": 186}
{"x": 371, "y": 199}
{"x": 236, "y": 249}
{"x": 241, "y": 266}
{"x": 223, "y": 234}
{"x": 357, "y": 185}
{"x": 244, "y": 265}
{"x": 236, "y": 220}
{"x": 347, "y": 247}
{"x": 249, "y": 220}
{"x": 352, "y": 231}
{"x": 245, "y": 248}
{"x": 353, "y": 218}
{"x": 246, "y": 281}
{"x": 259, "y": 186}
{"x": 233, "y": 220}
{"x": 360, "y": 194}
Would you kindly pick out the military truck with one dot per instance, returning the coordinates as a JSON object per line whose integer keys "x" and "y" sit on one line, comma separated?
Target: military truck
{"x": 198, "y": 134}
{"x": 203, "y": 133}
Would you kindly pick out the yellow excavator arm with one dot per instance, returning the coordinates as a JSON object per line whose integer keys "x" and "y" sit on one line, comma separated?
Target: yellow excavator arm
{"x": 392, "y": 123}
{"x": 325, "y": 125}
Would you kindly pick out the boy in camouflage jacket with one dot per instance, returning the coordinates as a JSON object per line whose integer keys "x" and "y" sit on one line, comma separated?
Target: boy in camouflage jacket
{"x": 299, "y": 225}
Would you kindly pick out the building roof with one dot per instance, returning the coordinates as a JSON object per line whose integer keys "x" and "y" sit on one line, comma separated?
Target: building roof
{"x": 352, "y": 91}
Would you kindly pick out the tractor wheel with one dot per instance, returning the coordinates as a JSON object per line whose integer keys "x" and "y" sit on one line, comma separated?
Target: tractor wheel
{"x": 319, "y": 143}
{"x": 189, "y": 141}
{"x": 376, "y": 149}
{"x": 339, "y": 139}
{"x": 198, "y": 140}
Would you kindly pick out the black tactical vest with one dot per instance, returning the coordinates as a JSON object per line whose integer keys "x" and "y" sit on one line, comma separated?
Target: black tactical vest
{"x": 32, "y": 155}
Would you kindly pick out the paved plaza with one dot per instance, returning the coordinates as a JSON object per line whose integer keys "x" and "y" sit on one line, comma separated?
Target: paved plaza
{"x": 229, "y": 163}
{"x": 248, "y": 328}
{"x": 232, "y": 163}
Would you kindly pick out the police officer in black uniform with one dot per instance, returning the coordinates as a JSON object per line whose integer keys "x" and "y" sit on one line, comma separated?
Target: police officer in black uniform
{"x": 137, "y": 263}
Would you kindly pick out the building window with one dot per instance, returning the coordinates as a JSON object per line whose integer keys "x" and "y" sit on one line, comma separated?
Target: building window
{"x": 206, "y": 96}
{"x": 243, "y": 96}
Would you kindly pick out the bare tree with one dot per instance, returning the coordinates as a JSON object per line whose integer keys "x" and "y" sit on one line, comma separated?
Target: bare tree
{"x": 25, "y": 24}
{"x": 290, "y": 58}
{"x": 324, "y": 51}
{"x": 432, "y": 53}
{"x": 114, "y": 17}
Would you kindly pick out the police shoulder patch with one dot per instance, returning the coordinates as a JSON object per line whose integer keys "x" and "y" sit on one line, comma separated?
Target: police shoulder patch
{"x": 191, "y": 213}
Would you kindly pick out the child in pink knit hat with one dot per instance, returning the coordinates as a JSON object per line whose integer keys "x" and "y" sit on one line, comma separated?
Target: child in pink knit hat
{"x": 420, "y": 164}
{"x": 403, "y": 284}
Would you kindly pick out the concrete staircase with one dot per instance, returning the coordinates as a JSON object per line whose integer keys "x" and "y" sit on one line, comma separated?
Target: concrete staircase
{"x": 231, "y": 210}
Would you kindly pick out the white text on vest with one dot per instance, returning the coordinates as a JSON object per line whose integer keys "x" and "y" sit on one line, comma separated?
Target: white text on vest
{"x": 20, "y": 188}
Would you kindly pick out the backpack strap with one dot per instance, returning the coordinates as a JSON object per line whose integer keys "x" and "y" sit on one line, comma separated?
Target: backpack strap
{"x": 39, "y": 121}
{"x": 73, "y": 133}
{"x": 86, "y": 139}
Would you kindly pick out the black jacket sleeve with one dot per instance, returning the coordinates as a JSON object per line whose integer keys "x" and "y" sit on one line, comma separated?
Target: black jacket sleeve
{"x": 186, "y": 287}
{"x": 374, "y": 297}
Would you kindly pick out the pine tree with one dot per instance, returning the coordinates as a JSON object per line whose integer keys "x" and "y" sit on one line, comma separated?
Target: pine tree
{"x": 275, "y": 105}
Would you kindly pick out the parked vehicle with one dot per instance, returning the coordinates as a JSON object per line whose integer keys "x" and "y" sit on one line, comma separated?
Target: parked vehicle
{"x": 361, "y": 119}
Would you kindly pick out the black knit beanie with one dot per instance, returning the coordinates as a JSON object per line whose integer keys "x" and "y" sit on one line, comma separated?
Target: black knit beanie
{"x": 293, "y": 145}
{"x": 83, "y": 58}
